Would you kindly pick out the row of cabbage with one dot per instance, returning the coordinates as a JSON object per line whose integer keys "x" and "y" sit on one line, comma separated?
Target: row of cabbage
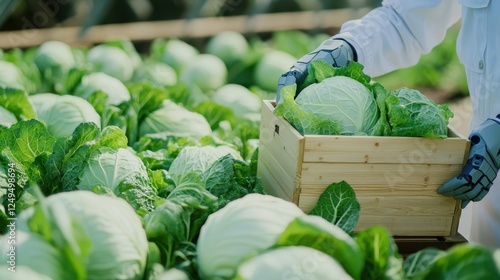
{"x": 121, "y": 165}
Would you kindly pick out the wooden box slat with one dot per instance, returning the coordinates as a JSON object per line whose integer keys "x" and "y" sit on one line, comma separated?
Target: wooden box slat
{"x": 374, "y": 149}
{"x": 395, "y": 178}
{"x": 378, "y": 174}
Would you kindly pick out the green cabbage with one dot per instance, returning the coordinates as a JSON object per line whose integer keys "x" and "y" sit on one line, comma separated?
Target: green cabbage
{"x": 242, "y": 101}
{"x": 344, "y": 100}
{"x": 61, "y": 114}
{"x": 54, "y": 59}
{"x": 120, "y": 171}
{"x": 97, "y": 233}
{"x": 174, "y": 52}
{"x": 193, "y": 160}
{"x": 156, "y": 72}
{"x": 175, "y": 120}
{"x": 270, "y": 68}
{"x": 7, "y": 118}
{"x": 207, "y": 72}
{"x": 115, "y": 90}
{"x": 229, "y": 46}
{"x": 411, "y": 113}
{"x": 34, "y": 253}
{"x": 11, "y": 76}
{"x": 293, "y": 262}
{"x": 242, "y": 229}
{"x": 112, "y": 61}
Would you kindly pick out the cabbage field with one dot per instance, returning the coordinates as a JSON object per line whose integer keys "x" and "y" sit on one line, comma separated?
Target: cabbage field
{"x": 124, "y": 164}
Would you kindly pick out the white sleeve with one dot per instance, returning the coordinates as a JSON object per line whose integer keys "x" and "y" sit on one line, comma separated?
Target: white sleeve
{"x": 396, "y": 34}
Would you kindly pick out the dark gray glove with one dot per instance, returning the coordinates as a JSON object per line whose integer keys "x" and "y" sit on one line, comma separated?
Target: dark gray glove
{"x": 482, "y": 166}
{"x": 336, "y": 52}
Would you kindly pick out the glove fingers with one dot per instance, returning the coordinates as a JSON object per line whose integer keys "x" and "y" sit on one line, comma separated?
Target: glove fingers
{"x": 468, "y": 194}
{"x": 464, "y": 203}
{"x": 457, "y": 185}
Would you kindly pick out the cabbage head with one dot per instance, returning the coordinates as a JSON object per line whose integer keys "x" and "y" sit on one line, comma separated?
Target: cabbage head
{"x": 270, "y": 68}
{"x": 412, "y": 114}
{"x": 230, "y": 46}
{"x": 206, "y": 71}
{"x": 11, "y": 75}
{"x": 61, "y": 114}
{"x": 120, "y": 171}
{"x": 175, "y": 120}
{"x": 196, "y": 160}
{"x": 54, "y": 59}
{"x": 174, "y": 52}
{"x": 112, "y": 61}
{"x": 7, "y": 118}
{"x": 242, "y": 229}
{"x": 158, "y": 73}
{"x": 292, "y": 262}
{"x": 241, "y": 100}
{"x": 344, "y": 100}
{"x": 115, "y": 90}
{"x": 36, "y": 254}
{"x": 103, "y": 233}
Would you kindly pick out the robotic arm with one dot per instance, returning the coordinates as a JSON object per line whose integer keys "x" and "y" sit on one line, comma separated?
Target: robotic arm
{"x": 336, "y": 52}
{"x": 482, "y": 166}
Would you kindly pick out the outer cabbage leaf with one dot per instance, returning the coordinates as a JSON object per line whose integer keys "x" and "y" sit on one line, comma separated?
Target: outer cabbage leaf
{"x": 36, "y": 254}
{"x": 7, "y": 119}
{"x": 242, "y": 229}
{"x": 229, "y": 179}
{"x": 101, "y": 233}
{"x": 318, "y": 233}
{"x": 62, "y": 114}
{"x": 294, "y": 262}
{"x": 122, "y": 172}
{"x": 114, "y": 89}
{"x": 195, "y": 161}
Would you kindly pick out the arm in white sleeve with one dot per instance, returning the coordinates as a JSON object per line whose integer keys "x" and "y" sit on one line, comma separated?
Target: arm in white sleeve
{"x": 396, "y": 34}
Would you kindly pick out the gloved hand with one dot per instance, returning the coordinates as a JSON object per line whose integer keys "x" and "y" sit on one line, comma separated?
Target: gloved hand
{"x": 336, "y": 52}
{"x": 482, "y": 166}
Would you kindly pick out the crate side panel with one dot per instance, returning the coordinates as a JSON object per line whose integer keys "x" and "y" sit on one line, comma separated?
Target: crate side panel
{"x": 276, "y": 180}
{"x": 323, "y": 174}
{"x": 381, "y": 205}
{"x": 372, "y": 149}
{"x": 280, "y": 155}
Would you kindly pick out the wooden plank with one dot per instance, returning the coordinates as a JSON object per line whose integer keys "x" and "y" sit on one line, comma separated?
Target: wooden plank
{"x": 323, "y": 174}
{"x": 277, "y": 181}
{"x": 280, "y": 155}
{"x": 196, "y": 28}
{"x": 377, "y": 149}
{"x": 284, "y": 144}
{"x": 393, "y": 206}
{"x": 382, "y": 190}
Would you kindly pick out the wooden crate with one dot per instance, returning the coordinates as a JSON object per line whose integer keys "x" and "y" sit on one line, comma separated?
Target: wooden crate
{"x": 395, "y": 178}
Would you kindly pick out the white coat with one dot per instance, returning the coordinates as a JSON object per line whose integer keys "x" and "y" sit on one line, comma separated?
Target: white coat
{"x": 396, "y": 34}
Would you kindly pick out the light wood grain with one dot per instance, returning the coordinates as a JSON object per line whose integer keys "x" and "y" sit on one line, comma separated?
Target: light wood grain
{"x": 378, "y": 149}
{"x": 323, "y": 174}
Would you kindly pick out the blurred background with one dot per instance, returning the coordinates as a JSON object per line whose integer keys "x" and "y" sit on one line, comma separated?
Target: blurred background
{"x": 280, "y": 23}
